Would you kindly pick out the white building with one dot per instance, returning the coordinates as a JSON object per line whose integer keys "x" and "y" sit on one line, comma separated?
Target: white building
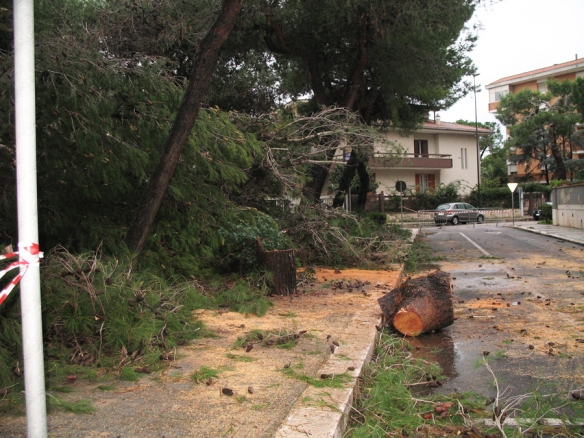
{"x": 437, "y": 153}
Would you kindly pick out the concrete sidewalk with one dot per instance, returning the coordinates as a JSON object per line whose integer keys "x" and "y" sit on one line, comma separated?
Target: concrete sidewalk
{"x": 573, "y": 235}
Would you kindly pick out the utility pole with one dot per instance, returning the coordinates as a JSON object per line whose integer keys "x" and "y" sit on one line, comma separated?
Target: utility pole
{"x": 477, "y": 140}
{"x": 26, "y": 191}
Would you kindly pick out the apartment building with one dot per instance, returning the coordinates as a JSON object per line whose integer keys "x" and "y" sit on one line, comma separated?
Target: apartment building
{"x": 535, "y": 80}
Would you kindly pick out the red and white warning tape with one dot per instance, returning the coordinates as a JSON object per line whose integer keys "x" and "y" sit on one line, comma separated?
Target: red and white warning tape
{"x": 30, "y": 249}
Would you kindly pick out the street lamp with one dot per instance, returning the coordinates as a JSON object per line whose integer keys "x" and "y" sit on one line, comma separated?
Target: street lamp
{"x": 477, "y": 139}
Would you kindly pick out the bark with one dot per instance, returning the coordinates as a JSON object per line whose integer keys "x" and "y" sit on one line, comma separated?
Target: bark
{"x": 282, "y": 265}
{"x": 353, "y": 85}
{"x": 419, "y": 305}
{"x": 560, "y": 171}
{"x": 203, "y": 68}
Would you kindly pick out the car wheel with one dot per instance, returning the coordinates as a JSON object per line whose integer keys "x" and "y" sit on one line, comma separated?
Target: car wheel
{"x": 480, "y": 219}
{"x": 454, "y": 220}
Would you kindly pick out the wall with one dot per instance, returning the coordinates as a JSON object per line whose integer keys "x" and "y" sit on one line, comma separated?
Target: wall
{"x": 568, "y": 206}
{"x": 451, "y": 144}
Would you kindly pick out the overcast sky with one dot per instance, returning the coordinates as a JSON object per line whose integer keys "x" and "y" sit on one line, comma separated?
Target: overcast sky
{"x": 518, "y": 36}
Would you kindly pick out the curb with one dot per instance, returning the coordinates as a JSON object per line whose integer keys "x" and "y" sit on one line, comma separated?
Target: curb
{"x": 555, "y": 236}
{"x": 324, "y": 413}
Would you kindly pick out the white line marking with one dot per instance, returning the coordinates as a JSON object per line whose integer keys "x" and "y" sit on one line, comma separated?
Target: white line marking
{"x": 479, "y": 248}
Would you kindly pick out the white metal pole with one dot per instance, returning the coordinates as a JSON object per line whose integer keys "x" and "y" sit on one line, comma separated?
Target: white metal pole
{"x": 513, "y": 207}
{"x": 26, "y": 181}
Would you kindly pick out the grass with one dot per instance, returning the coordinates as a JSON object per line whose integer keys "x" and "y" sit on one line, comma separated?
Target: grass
{"x": 333, "y": 381}
{"x": 204, "y": 373}
{"x": 385, "y": 406}
{"x": 270, "y": 338}
{"x": 78, "y": 407}
{"x": 288, "y": 315}
{"x": 419, "y": 255}
{"x": 237, "y": 358}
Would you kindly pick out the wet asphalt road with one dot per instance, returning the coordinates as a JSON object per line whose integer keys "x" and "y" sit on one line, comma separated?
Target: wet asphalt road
{"x": 519, "y": 302}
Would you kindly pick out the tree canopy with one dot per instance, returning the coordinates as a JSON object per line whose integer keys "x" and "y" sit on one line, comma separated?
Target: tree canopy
{"x": 108, "y": 93}
{"x": 542, "y": 128}
{"x": 386, "y": 60}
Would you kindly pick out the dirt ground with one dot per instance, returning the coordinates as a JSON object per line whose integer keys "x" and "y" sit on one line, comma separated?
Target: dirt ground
{"x": 171, "y": 404}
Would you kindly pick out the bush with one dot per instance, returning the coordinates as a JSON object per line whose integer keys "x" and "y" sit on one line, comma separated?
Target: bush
{"x": 378, "y": 218}
{"x": 239, "y": 251}
{"x": 499, "y": 197}
{"x": 546, "y": 213}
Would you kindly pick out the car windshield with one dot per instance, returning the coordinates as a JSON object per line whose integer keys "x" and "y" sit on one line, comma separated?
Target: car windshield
{"x": 443, "y": 207}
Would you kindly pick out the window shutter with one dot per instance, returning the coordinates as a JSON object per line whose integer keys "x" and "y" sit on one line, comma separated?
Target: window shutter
{"x": 417, "y": 182}
{"x": 432, "y": 182}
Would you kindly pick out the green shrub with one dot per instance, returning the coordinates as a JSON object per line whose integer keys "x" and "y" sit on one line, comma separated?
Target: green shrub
{"x": 546, "y": 213}
{"x": 239, "y": 250}
{"x": 379, "y": 218}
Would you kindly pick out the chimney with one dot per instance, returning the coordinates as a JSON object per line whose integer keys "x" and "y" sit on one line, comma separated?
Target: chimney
{"x": 437, "y": 118}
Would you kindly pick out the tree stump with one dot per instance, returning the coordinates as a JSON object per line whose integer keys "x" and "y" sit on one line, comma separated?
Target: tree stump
{"x": 419, "y": 305}
{"x": 282, "y": 264}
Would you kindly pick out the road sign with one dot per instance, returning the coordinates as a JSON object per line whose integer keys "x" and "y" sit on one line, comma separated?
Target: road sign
{"x": 400, "y": 186}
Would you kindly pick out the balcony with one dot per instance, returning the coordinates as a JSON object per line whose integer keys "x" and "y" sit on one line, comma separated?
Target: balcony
{"x": 382, "y": 160}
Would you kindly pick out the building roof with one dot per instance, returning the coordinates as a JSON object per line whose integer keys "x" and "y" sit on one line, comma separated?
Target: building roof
{"x": 546, "y": 72}
{"x": 453, "y": 127}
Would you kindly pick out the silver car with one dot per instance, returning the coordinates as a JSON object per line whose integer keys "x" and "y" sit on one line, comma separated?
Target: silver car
{"x": 456, "y": 212}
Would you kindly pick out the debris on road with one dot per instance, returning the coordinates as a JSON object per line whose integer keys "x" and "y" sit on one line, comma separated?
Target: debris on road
{"x": 420, "y": 304}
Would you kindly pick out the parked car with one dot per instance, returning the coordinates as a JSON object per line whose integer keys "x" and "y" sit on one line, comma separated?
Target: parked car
{"x": 455, "y": 212}
{"x": 537, "y": 212}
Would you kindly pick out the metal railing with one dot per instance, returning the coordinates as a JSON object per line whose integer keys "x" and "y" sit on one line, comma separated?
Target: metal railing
{"x": 430, "y": 218}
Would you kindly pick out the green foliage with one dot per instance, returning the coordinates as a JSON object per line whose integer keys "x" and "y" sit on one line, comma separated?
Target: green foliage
{"x": 535, "y": 187}
{"x": 245, "y": 296}
{"x": 240, "y": 238}
{"x": 387, "y": 406}
{"x": 378, "y": 218}
{"x": 427, "y": 199}
{"x": 102, "y": 122}
{"x": 488, "y": 143}
{"x": 92, "y": 310}
{"x": 494, "y": 197}
{"x": 418, "y": 255}
{"x": 78, "y": 407}
{"x": 542, "y": 128}
{"x": 321, "y": 52}
{"x": 333, "y": 381}
{"x": 336, "y": 175}
{"x": 204, "y": 373}
{"x": 547, "y": 213}
{"x": 326, "y": 236}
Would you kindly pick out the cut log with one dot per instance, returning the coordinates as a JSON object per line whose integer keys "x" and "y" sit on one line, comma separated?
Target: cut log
{"x": 419, "y": 305}
{"x": 282, "y": 265}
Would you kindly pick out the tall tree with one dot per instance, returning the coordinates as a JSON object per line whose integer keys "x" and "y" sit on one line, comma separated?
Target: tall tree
{"x": 388, "y": 61}
{"x": 200, "y": 77}
{"x": 493, "y": 154}
{"x": 541, "y": 128}
{"x": 487, "y": 143}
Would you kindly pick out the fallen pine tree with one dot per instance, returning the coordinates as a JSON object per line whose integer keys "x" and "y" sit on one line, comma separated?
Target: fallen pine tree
{"x": 419, "y": 305}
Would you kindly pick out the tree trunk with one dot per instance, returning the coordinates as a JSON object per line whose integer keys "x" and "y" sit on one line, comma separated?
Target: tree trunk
{"x": 560, "y": 172}
{"x": 203, "y": 67}
{"x": 282, "y": 264}
{"x": 419, "y": 305}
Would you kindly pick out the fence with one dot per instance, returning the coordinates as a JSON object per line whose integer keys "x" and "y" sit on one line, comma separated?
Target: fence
{"x": 432, "y": 218}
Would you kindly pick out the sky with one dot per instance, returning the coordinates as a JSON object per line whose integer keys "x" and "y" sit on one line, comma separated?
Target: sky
{"x": 518, "y": 36}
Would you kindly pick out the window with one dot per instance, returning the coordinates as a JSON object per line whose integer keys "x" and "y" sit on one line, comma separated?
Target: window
{"x": 420, "y": 148}
{"x": 463, "y": 158}
{"x": 495, "y": 94}
{"x": 499, "y": 95}
{"x": 425, "y": 182}
{"x": 542, "y": 87}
